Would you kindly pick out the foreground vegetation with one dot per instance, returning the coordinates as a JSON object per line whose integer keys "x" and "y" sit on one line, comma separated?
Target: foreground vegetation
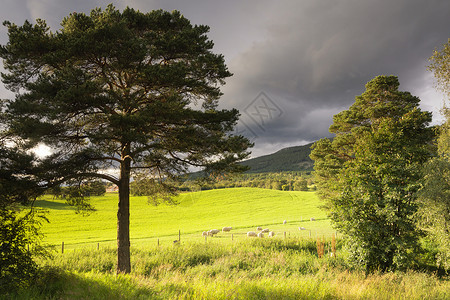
{"x": 248, "y": 269}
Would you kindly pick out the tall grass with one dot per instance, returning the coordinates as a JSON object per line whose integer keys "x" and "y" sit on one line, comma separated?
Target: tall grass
{"x": 250, "y": 269}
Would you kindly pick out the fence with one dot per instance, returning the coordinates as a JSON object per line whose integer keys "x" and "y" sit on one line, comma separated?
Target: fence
{"x": 195, "y": 238}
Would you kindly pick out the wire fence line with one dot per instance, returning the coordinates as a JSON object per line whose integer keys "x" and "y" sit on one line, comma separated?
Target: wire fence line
{"x": 179, "y": 237}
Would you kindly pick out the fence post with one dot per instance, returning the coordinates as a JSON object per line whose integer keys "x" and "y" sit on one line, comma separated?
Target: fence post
{"x": 231, "y": 236}
{"x": 179, "y": 235}
{"x": 98, "y": 246}
{"x": 62, "y": 247}
{"x": 158, "y": 242}
{"x": 285, "y": 235}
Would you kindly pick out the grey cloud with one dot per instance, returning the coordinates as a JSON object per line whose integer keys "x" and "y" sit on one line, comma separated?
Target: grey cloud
{"x": 310, "y": 57}
{"x": 320, "y": 54}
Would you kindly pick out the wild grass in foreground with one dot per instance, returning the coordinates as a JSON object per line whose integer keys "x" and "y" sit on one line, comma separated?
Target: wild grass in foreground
{"x": 250, "y": 269}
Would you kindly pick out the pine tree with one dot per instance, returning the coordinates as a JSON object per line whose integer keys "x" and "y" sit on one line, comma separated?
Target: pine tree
{"x": 133, "y": 91}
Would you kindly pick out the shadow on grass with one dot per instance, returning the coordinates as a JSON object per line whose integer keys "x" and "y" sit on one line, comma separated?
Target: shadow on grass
{"x": 54, "y": 283}
{"x": 53, "y": 205}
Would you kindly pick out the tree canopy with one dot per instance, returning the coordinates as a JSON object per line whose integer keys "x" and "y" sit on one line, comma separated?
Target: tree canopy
{"x": 435, "y": 195}
{"x": 440, "y": 66}
{"x": 368, "y": 174}
{"x": 434, "y": 212}
{"x": 131, "y": 91}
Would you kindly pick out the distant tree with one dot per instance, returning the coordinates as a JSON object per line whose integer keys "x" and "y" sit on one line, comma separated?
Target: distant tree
{"x": 95, "y": 188}
{"x": 440, "y": 66}
{"x": 301, "y": 185}
{"x": 369, "y": 173}
{"x": 133, "y": 91}
{"x": 276, "y": 185}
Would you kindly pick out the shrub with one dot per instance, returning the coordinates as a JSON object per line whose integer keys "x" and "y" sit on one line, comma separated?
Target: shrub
{"x": 17, "y": 233}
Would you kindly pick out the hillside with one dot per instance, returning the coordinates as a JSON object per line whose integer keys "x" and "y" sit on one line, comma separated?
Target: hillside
{"x": 241, "y": 208}
{"x": 287, "y": 159}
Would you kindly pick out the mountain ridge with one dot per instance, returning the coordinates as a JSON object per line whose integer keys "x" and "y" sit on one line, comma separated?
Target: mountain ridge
{"x": 295, "y": 158}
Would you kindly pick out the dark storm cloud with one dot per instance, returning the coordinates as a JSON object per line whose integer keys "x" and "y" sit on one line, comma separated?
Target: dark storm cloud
{"x": 310, "y": 58}
{"x": 320, "y": 54}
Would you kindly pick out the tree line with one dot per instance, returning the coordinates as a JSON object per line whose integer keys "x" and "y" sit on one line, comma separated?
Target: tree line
{"x": 283, "y": 181}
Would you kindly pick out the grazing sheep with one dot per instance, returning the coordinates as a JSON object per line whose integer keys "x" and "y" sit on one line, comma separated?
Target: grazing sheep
{"x": 204, "y": 233}
{"x": 265, "y": 230}
{"x": 301, "y": 228}
{"x": 226, "y": 229}
{"x": 271, "y": 234}
{"x": 260, "y": 235}
{"x": 212, "y": 232}
{"x": 312, "y": 219}
{"x": 284, "y": 222}
{"x": 259, "y": 228}
{"x": 251, "y": 233}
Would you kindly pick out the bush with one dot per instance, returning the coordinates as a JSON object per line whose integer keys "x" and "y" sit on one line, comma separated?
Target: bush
{"x": 17, "y": 233}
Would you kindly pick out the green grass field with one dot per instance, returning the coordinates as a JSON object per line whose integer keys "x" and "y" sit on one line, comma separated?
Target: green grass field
{"x": 247, "y": 268}
{"x": 241, "y": 208}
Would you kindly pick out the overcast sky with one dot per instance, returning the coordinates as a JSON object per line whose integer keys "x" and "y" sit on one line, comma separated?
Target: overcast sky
{"x": 295, "y": 63}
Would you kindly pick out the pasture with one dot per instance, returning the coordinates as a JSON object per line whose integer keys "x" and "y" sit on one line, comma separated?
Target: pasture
{"x": 241, "y": 208}
{"x": 245, "y": 268}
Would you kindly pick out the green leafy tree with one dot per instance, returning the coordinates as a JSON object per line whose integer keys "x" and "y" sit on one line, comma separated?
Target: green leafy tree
{"x": 369, "y": 173}
{"x": 95, "y": 188}
{"x": 440, "y": 66}
{"x": 434, "y": 211}
{"x": 301, "y": 185}
{"x": 133, "y": 91}
{"x": 434, "y": 198}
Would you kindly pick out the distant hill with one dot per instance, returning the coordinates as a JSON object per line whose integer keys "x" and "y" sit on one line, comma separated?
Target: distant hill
{"x": 287, "y": 159}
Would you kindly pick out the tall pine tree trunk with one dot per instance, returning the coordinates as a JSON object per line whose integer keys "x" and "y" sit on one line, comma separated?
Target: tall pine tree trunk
{"x": 123, "y": 215}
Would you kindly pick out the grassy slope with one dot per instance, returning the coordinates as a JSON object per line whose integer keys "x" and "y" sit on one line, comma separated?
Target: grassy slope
{"x": 287, "y": 159}
{"x": 241, "y": 208}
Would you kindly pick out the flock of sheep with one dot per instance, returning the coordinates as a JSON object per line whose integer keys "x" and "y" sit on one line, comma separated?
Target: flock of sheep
{"x": 259, "y": 231}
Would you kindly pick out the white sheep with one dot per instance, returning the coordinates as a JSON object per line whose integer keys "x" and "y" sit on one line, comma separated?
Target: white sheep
{"x": 212, "y": 232}
{"x": 204, "y": 233}
{"x": 258, "y": 228}
{"x": 312, "y": 219}
{"x": 301, "y": 228}
{"x": 271, "y": 234}
{"x": 260, "y": 235}
{"x": 226, "y": 229}
{"x": 265, "y": 230}
{"x": 251, "y": 233}
{"x": 284, "y": 222}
